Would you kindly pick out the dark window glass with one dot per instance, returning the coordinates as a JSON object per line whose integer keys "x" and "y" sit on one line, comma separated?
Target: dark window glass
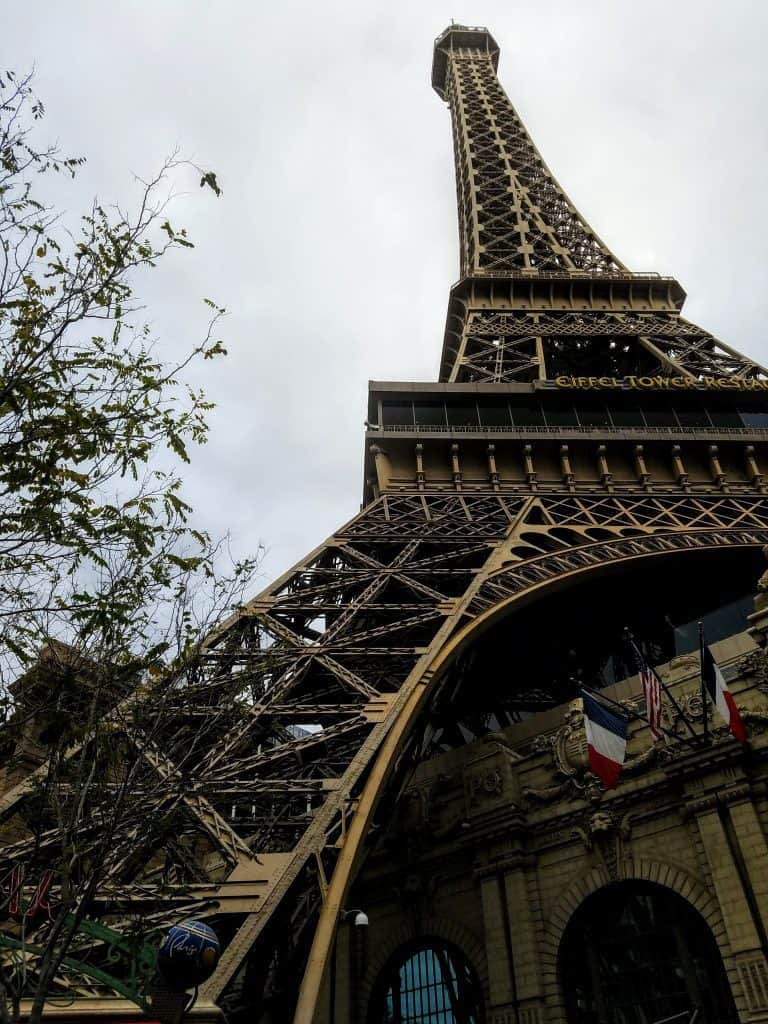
{"x": 658, "y": 413}
{"x": 723, "y": 415}
{"x": 754, "y": 419}
{"x": 461, "y": 414}
{"x": 592, "y": 413}
{"x": 430, "y": 413}
{"x": 722, "y": 622}
{"x": 626, "y": 414}
{"x": 560, "y": 414}
{"x": 691, "y": 415}
{"x": 397, "y": 412}
{"x": 637, "y": 953}
{"x": 494, "y": 414}
{"x": 431, "y": 984}
{"x": 526, "y": 412}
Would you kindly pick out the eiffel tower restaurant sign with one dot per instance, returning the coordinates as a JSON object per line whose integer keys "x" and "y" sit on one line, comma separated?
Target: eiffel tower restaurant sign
{"x": 661, "y": 383}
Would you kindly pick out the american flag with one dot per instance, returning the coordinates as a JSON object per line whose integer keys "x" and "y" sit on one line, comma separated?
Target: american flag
{"x": 652, "y": 693}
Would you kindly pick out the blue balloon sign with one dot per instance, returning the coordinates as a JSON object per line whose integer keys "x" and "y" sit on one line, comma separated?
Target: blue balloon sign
{"x": 189, "y": 955}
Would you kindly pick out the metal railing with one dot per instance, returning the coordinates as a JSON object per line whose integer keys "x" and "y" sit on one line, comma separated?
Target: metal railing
{"x": 469, "y": 428}
{"x": 521, "y": 273}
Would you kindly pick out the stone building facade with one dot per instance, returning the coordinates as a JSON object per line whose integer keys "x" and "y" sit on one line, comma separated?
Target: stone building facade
{"x": 497, "y": 848}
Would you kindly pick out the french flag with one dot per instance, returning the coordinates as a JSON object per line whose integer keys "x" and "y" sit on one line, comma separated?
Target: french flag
{"x": 719, "y": 693}
{"x": 606, "y": 740}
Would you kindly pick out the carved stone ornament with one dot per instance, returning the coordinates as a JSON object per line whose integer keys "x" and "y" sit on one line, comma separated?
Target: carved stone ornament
{"x": 485, "y": 783}
{"x": 756, "y": 718}
{"x": 761, "y": 600}
{"x": 427, "y": 813}
{"x": 570, "y": 760}
{"x": 755, "y": 664}
{"x": 606, "y": 835}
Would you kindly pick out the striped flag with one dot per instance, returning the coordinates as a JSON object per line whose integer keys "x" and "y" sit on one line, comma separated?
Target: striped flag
{"x": 652, "y": 693}
{"x": 606, "y": 740}
{"x": 719, "y": 694}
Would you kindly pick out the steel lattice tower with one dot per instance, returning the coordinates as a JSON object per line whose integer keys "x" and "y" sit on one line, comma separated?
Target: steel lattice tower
{"x": 480, "y": 494}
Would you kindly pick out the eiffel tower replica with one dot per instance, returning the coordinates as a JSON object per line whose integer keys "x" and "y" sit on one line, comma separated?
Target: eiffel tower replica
{"x": 579, "y": 426}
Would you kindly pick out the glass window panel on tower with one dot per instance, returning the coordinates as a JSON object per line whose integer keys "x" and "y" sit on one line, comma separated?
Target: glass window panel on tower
{"x": 691, "y": 413}
{"x": 754, "y": 418}
{"x": 560, "y": 413}
{"x": 626, "y": 415}
{"x": 526, "y": 412}
{"x": 462, "y": 414}
{"x": 592, "y": 413}
{"x": 397, "y": 413}
{"x": 722, "y": 413}
{"x": 658, "y": 411}
{"x": 495, "y": 414}
{"x": 430, "y": 413}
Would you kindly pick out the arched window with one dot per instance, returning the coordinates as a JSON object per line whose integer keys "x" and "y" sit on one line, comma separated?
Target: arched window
{"x": 429, "y": 982}
{"x": 637, "y": 953}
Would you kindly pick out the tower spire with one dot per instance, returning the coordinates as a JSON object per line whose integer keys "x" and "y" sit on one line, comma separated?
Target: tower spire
{"x": 513, "y": 215}
{"x": 541, "y": 296}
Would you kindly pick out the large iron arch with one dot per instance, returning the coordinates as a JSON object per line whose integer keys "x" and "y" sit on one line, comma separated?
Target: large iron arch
{"x": 510, "y": 585}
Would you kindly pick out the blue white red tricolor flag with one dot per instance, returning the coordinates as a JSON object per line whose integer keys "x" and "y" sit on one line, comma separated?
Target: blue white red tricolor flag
{"x": 719, "y": 693}
{"x": 606, "y": 740}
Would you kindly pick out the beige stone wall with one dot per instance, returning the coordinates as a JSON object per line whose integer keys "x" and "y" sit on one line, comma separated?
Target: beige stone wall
{"x": 494, "y": 846}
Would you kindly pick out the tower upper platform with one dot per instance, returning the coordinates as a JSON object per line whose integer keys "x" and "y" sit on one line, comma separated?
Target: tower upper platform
{"x": 457, "y": 37}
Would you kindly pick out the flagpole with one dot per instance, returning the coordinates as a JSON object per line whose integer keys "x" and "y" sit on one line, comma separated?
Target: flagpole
{"x": 598, "y": 695}
{"x": 639, "y": 658}
{"x": 705, "y": 733}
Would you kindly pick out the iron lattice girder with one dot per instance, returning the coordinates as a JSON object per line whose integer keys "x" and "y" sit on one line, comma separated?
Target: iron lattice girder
{"x": 515, "y": 219}
{"x": 273, "y": 786}
{"x": 511, "y": 581}
{"x": 501, "y": 347}
{"x": 668, "y": 522}
{"x": 426, "y": 514}
{"x": 387, "y": 594}
{"x": 513, "y": 215}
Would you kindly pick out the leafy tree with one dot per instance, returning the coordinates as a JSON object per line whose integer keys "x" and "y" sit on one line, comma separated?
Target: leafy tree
{"x": 106, "y": 588}
{"x": 85, "y": 402}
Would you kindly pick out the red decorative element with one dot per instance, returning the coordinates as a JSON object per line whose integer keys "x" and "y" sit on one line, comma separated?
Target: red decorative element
{"x": 735, "y": 720}
{"x": 604, "y": 768}
{"x": 11, "y": 886}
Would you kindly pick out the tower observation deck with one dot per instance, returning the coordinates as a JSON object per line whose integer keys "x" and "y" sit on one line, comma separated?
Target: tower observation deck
{"x": 580, "y": 428}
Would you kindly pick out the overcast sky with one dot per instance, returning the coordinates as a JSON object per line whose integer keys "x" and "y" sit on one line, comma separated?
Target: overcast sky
{"x": 335, "y": 242}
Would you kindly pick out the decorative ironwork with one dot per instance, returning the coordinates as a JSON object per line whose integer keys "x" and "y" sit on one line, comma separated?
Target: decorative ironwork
{"x": 513, "y": 215}
{"x": 121, "y": 963}
{"x": 505, "y": 347}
